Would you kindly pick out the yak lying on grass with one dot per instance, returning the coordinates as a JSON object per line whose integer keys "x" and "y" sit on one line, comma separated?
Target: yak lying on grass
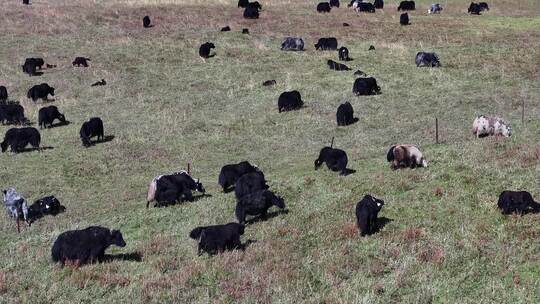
{"x": 85, "y": 246}
{"x": 229, "y": 174}
{"x": 269, "y": 83}
{"x": 40, "y": 91}
{"x": 48, "y": 205}
{"x": 47, "y": 115}
{"x": 218, "y": 238}
{"x": 81, "y": 61}
{"x": 401, "y": 156}
{"x": 18, "y": 139}
{"x": 518, "y": 202}
{"x": 289, "y": 101}
{"x": 337, "y": 66}
{"x": 257, "y": 203}
{"x": 172, "y": 188}
{"x": 366, "y": 214}
{"x": 91, "y": 128}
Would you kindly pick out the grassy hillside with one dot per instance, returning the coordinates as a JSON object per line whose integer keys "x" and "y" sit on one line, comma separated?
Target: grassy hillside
{"x": 444, "y": 240}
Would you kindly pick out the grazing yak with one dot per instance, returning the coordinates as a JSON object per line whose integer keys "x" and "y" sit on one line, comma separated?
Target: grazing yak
{"x": 146, "y": 22}
{"x": 269, "y": 83}
{"x": 251, "y": 12}
{"x": 249, "y": 183}
{"x": 205, "y": 48}
{"x": 327, "y": 44}
{"x": 292, "y": 44}
{"x": 3, "y": 93}
{"x": 257, "y": 203}
{"x": 334, "y": 3}
{"x": 346, "y": 24}
{"x": 245, "y": 31}
{"x": 365, "y": 7}
{"x": 47, "y": 115}
{"x": 16, "y": 206}
{"x": 378, "y": 4}
{"x": 26, "y": 2}
{"x": 91, "y": 128}
{"x": 37, "y": 62}
{"x": 49, "y": 205}
{"x": 518, "y": 202}
{"x": 323, "y": 7}
{"x": 40, "y": 91}
{"x": 343, "y": 54}
{"x": 366, "y": 86}
{"x": 401, "y": 156}
{"x": 337, "y": 66}
{"x": 366, "y": 214}
{"x": 85, "y": 246}
{"x": 371, "y": 48}
{"x": 229, "y": 174}
{"x": 404, "y": 19}
{"x": 102, "y": 82}
{"x": 477, "y": 8}
{"x": 289, "y": 101}
{"x": 243, "y": 3}
{"x": 484, "y": 6}
{"x": 18, "y": 139}
{"x": 335, "y": 159}
{"x": 12, "y": 114}
{"x": 490, "y": 125}
{"x": 435, "y": 8}
{"x": 406, "y": 6}
{"x": 172, "y": 188}
{"x": 81, "y": 61}
{"x": 345, "y": 114}
{"x": 425, "y": 59}
{"x": 218, "y": 238}
{"x": 226, "y": 29}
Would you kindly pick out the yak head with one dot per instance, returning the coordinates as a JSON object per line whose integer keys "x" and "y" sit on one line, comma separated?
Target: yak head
{"x": 4, "y": 146}
{"x": 117, "y": 239}
{"x": 378, "y": 203}
{"x": 199, "y": 186}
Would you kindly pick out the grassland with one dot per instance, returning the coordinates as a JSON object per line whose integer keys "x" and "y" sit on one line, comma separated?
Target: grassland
{"x": 444, "y": 240}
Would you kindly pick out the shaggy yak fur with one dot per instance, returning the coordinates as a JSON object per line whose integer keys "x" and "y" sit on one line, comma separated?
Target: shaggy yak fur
{"x": 18, "y": 139}
{"x": 366, "y": 214}
{"x": 229, "y": 174}
{"x": 365, "y": 7}
{"x": 45, "y": 206}
{"x": 257, "y": 203}
{"x": 401, "y": 156}
{"x": 378, "y": 4}
{"x": 40, "y": 91}
{"x": 404, "y": 19}
{"x": 85, "y": 246}
{"x": 47, "y": 115}
{"x": 80, "y": 61}
{"x": 337, "y": 66}
{"x": 91, "y": 128}
{"x": 251, "y": 12}
{"x": 517, "y": 202}
{"x": 334, "y": 3}
{"x": 335, "y": 159}
{"x": 366, "y": 86}
{"x": 12, "y": 114}
{"x": 249, "y": 183}
{"x": 218, "y": 238}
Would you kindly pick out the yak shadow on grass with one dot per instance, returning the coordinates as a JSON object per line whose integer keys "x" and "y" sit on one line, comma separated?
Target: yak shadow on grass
{"x": 132, "y": 257}
{"x": 349, "y": 172}
{"x": 107, "y": 138}
{"x": 194, "y": 200}
{"x": 269, "y": 215}
{"x": 32, "y": 149}
{"x": 58, "y": 124}
{"x": 380, "y": 223}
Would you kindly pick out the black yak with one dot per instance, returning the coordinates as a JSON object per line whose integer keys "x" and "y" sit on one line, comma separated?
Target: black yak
{"x": 328, "y": 44}
{"x": 269, "y": 83}
{"x": 251, "y": 12}
{"x": 366, "y": 86}
{"x": 427, "y": 59}
{"x": 146, "y": 22}
{"x": 245, "y": 31}
{"x": 229, "y": 174}
{"x": 243, "y": 3}
{"x": 48, "y": 205}
{"x": 12, "y": 114}
{"x": 405, "y": 156}
{"x": 226, "y": 29}
{"x": 404, "y": 19}
{"x": 289, "y": 101}
{"x": 483, "y": 6}
{"x": 18, "y": 139}
{"x": 47, "y": 115}
{"x": 3, "y": 93}
{"x": 81, "y": 61}
{"x": 102, "y": 82}
{"x": 406, "y": 6}
{"x": 365, "y": 7}
{"x": 335, "y": 159}
{"x": 26, "y": 2}
{"x": 91, "y": 128}
{"x": 86, "y": 245}
{"x": 249, "y": 183}
{"x": 257, "y": 203}
{"x": 366, "y": 214}
{"x": 292, "y": 44}
{"x": 171, "y": 188}
{"x": 378, "y": 4}
{"x": 323, "y": 7}
{"x": 334, "y": 3}
{"x": 40, "y": 91}
{"x": 474, "y": 9}
{"x": 345, "y": 114}
{"x": 343, "y": 54}
{"x": 337, "y": 66}
{"x": 218, "y": 238}
{"x": 205, "y": 48}
{"x": 518, "y": 202}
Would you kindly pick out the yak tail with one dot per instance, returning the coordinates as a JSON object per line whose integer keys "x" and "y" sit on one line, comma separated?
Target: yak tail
{"x": 196, "y": 233}
{"x": 390, "y": 154}
{"x": 332, "y": 142}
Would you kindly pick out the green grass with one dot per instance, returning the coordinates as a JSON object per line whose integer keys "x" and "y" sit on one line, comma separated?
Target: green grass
{"x": 445, "y": 241}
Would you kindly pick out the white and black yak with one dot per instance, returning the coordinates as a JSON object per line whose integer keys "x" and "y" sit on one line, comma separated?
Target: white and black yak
{"x": 230, "y": 173}
{"x": 435, "y": 8}
{"x": 364, "y": 7}
{"x": 40, "y": 91}
{"x": 48, "y": 205}
{"x": 323, "y": 7}
{"x": 406, "y": 6}
{"x": 424, "y": 59}
{"x": 171, "y": 188}
{"x": 102, "y": 82}
{"x": 257, "y": 203}
{"x": 80, "y": 61}
{"x": 146, "y": 22}
{"x": 218, "y": 238}
{"x": 327, "y": 44}
{"x": 337, "y": 66}
{"x": 91, "y": 128}
{"x": 335, "y": 159}
{"x": 249, "y": 183}
{"x": 343, "y": 54}
{"x": 490, "y": 125}
{"x": 366, "y": 86}
{"x": 47, "y": 115}
{"x": 16, "y": 206}
{"x": 401, "y": 156}
{"x": 12, "y": 114}
{"x": 19, "y": 138}
{"x": 366, "y": 214}
{"x": 205, "y": 49}
{"x": 518, "y": 202}
{"x": 292, "y": 44}
{"x": 345, "y": 114}
{"x": 85, "y": 246}
{"x": 289, "y": 101}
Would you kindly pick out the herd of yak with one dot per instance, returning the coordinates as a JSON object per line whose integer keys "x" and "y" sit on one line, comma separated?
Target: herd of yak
{"x": 253, "y": 196}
